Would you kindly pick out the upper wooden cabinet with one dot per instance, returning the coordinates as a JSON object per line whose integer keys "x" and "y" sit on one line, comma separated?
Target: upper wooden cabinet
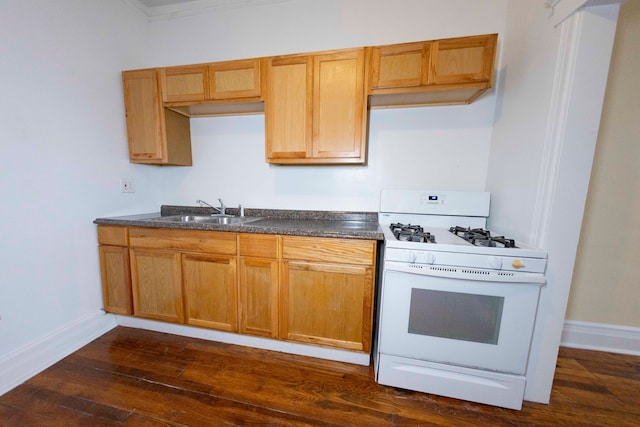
{"x": 160, "y": 102}
{"x": 437, "y": 72}
{"x": 235, "y": 79}
{"x": 315, "y": 108}
{"x": 184, "y": 83}
{"x": 218, "y": 81}
{"x": 156, "y": 135}
{"x": 315, "y": 104}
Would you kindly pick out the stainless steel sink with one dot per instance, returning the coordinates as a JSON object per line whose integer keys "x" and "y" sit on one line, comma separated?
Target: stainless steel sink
{"x": 208, "y": 219}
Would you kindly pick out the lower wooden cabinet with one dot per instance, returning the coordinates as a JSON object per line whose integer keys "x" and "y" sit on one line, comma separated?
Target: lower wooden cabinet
{"x": 116, "y": 278}
{"x": 327, "y": 304}
{"x": 210, "y": 296}
{"x": 115, "y": 269}
{"x": 309, "y": 290}
{"x": 259, "y": 275}
{"x": 184, "y": 276}
{"x": 156, "y": 284}
{"x": 259, "y": 297}
{"x": 326, "y": 294}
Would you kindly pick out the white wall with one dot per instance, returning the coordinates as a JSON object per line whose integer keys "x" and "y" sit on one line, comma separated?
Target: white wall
{"x": 446, "y": 147}
{"x": 62, "y": 145}
{"x": 610, "y": 295}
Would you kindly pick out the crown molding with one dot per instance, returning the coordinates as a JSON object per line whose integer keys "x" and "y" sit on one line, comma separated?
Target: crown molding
{"x": 195, "y": 7}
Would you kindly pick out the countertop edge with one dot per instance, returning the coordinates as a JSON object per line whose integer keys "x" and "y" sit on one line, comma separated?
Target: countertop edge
{"x": 319, "y": 224}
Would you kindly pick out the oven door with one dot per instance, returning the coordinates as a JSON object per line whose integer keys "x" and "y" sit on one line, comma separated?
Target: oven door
{"x": 457, "y": 320}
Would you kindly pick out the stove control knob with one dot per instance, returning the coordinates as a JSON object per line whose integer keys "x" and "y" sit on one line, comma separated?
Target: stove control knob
{"x": 428, "y": 257}
{"x": 410, "y": 256}
{"x": 517, "y": 264}
{"x": 495, "y": 263}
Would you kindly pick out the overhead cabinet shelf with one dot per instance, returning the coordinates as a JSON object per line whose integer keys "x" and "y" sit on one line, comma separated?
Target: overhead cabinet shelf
{"x": 315, "y": 104}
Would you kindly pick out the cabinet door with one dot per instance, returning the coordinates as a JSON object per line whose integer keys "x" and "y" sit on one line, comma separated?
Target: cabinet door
{"x": 210, "y": 291}
{"x": 258, "y": 284}
{"x": 402, "y": 65}
{"x": 259, "y": 296}
{"x": 235, "y": 79}
{"x": 116, "y": 279}
{"x": 155, "y": 135}
{"x": 184, "y": 83}
{"x": 288, "y": 102}
{"x": 143, "y": 115}
{"x": 339, "y": 107}
{"x": 156, "y": 284}
{"x": 462, "y": 60}
{"x": 327, "y": 304}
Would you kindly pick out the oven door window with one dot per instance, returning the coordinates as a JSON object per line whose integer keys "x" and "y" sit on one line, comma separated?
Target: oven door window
{"x": 455, "y": 315}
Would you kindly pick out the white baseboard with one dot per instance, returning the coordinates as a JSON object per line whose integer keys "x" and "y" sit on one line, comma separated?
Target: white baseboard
{"x": 33, "y": 358}
{"x": 601, "y": 337}
{"x": 246, "y": 340}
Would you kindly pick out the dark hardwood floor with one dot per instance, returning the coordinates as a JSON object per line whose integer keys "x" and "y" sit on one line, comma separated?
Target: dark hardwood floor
{"x": 132, "y": 377}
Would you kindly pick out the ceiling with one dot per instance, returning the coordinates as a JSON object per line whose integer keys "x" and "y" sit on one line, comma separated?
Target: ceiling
{"x": 156, "y": 10}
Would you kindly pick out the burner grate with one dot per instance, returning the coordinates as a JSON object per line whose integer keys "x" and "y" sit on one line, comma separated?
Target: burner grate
{"x": 411, "y": 233}
{"x": 482, "y": 237}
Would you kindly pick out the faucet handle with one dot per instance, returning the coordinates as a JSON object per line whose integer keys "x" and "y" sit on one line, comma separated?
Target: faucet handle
{"x": 222, "y": 207}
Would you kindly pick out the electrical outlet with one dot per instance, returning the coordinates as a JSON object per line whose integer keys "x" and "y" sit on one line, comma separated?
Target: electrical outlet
{"x": 127, "y": 185}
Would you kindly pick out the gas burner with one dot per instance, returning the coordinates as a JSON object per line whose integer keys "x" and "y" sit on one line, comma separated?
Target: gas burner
{"x": 411, "y": 233}
{"x": 482, "y": 237}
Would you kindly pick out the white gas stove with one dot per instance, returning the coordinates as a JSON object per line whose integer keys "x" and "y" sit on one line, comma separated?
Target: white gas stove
{"x": 457, "y": 302}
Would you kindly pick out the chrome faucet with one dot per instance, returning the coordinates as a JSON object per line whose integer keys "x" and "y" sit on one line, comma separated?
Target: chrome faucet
{"x": 221, "y": 209}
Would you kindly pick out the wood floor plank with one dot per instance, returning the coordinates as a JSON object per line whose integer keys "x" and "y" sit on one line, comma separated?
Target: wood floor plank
{"x": 165, "y": 400}
{"x": 131, "y": 377}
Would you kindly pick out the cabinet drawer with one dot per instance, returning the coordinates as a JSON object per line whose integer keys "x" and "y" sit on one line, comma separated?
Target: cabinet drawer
{"x": 343, "y": 251}
{"x": 258, "y": 245}
{"x": 113, "y": 235}
{"x": 186, "y": 240}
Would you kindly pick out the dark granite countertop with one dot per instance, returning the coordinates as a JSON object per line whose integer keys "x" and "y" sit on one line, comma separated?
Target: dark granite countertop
{"x": 352, "y": 225}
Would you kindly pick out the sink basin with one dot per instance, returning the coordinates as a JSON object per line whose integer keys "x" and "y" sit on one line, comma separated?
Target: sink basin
{"x": 208, "y": 219}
